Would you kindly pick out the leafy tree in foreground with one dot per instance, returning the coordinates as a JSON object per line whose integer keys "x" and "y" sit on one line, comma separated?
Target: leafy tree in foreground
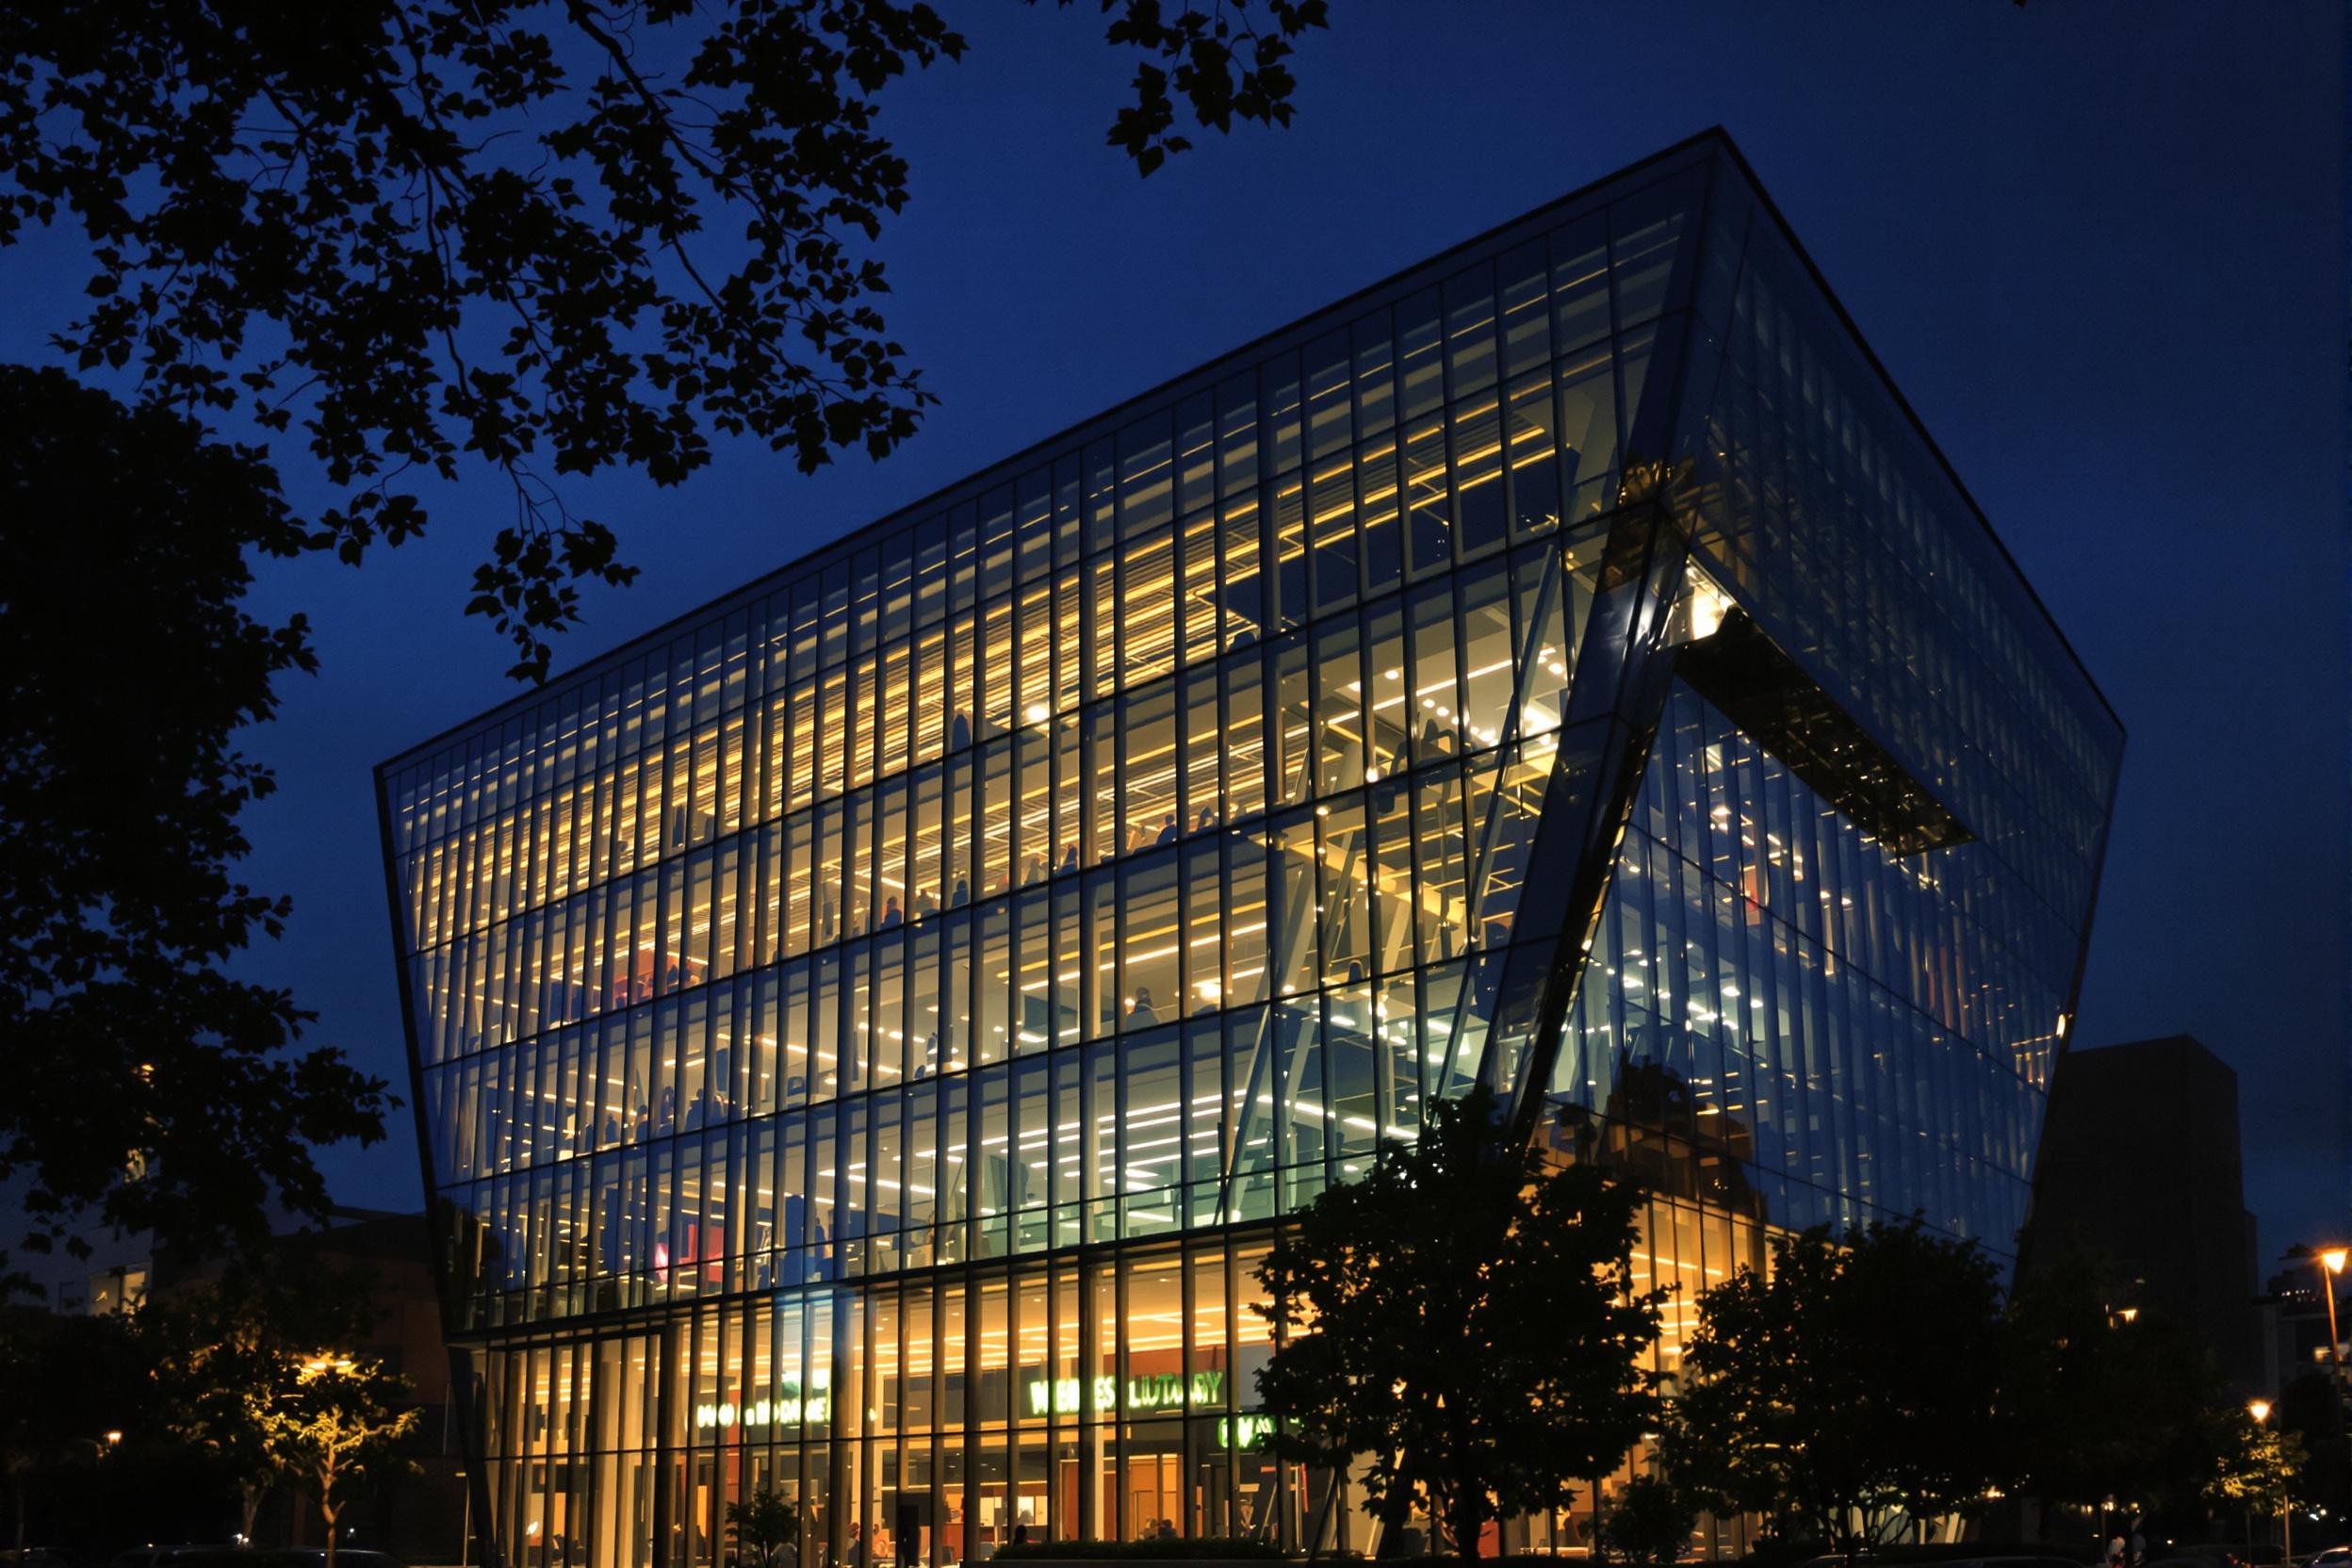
{"x": 142, "y": 1079}
{"x": 2256, "y": 1467}
{"x": 228, "y": 1352}
{"x": 764, "y": 1526}
{"x": 341, "y": 1415}
{"x": 1848, "y": 1387}
{"x": 548, "y": 237}
{"x": 555, "y": 235}
{"x": 1466, "y": 1317}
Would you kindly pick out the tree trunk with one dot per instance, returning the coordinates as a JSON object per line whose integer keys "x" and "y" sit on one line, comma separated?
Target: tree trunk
{"x": 327, "y": 1511}
{"x": 249, "y": 1501}
{"x": 1465, "y": 1525}
{"x": 1394, "y": 1512}
{"x": 16, "y": 1502}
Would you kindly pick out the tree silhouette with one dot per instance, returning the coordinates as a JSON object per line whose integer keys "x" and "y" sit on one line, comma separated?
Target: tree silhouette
{"x": 554, "y": 236}
{"x": 227, "y": 1352}
{"x": 2096, "y": 1405}
{"x": 764, "y": 1527}
{"x": 65, "y": 1382}
{"x": 1649, "y": 1522}
{"x": 2309, "y": 1409}
{"x": 1466, "y": 1315}
{"x": 142, "y": 1079}
{"x": 1850, "y": 1386}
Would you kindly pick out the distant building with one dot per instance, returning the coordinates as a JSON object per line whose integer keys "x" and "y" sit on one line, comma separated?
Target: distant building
{"x": 2294, "y": 1318}
{"x": 110, "y": 1277}
{"x": 2140, "y": 1163}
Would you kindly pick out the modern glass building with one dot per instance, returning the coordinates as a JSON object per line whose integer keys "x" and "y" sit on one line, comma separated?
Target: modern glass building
{"x": 866, "y": 1033}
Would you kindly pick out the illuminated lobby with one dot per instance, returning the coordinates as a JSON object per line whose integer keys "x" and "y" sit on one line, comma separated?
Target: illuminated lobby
{"x": 866, "y": 1033}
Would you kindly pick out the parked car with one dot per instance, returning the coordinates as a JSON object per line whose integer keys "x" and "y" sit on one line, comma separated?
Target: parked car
{"x": 2334, "y": 1557}
{"x": 2019, "y": 1561}
{"x": 161, "y": 1556}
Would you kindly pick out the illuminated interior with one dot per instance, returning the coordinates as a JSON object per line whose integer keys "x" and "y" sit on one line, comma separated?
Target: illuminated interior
{"x": 866, "y": 1037}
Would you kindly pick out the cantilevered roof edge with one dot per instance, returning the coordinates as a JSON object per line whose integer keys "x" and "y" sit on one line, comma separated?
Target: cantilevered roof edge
{"x": 1919, "y": 426}
{"x": 1710, "y": 142}
{"x": 1691, "y": 150}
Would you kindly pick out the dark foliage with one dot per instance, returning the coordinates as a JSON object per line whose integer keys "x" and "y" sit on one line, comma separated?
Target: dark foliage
{"x": 1467, "y": 1316}
{"x": 556, "y": 236}
{"x": 2097, "y": 1406}
{"x": 65, "y": 1382}
{"x": 1855, "y": 1383}
{"x": 1649, "y": 1522}
{"x": 763, "y": 1527}
{"x": 141, "y": 1079}
{"x": 2310, "y": 1410}
{"x": 220, "y": 1349}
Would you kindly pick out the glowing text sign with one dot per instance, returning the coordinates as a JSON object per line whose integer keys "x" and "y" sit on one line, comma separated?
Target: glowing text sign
{"x": 1166, "y": 1390}
{"x": 1244, "y": 1431}
{"x": 789, "y": 1407}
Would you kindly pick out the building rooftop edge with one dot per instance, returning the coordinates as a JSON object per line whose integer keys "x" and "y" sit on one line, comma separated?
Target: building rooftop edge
{"x": 1714, "y": 140}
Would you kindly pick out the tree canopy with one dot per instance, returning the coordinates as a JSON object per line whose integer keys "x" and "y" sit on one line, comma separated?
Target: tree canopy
{"x": 228, "y": 1352}
{"x": 1467, "y": 1316}
{"x": 143, "y": 1080}
{"x": 374, "y": 247}
{"x": 555, "y": 236}
{"x": 2257, "y": 1467}
{"x": 1850, "y": 1387}
{"x": 341, "y": 1414}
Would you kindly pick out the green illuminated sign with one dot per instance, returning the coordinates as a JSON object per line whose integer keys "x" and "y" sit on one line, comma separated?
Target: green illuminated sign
{"x": 1244, "y": 1431}
{"x": 1164, "y": 1391}
{"x": 787, "y": 1408}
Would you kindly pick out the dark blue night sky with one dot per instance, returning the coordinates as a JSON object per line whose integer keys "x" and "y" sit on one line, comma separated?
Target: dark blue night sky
{"x": 2100, "y": 247}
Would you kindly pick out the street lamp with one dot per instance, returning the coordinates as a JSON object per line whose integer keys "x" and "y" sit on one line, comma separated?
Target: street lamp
{"x": 2331, "y": 1260}
{"x": 2259, "y": 1410}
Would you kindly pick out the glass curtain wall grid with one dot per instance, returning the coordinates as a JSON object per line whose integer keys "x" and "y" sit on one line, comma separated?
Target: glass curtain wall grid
{"x": 864, "y": 1035}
